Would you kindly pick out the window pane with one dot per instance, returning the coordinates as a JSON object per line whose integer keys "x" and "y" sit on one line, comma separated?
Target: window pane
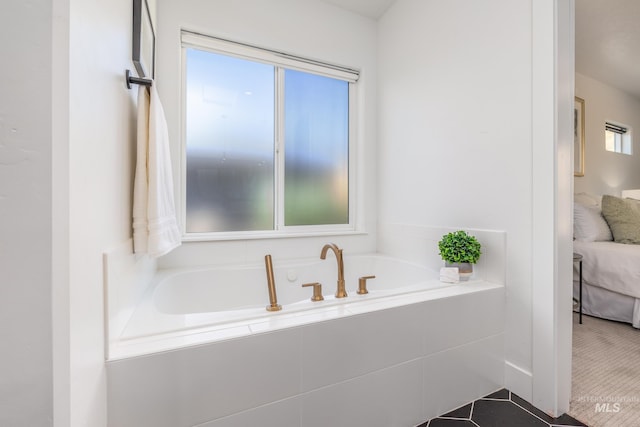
{"x": 610, "y": 140}
{"x": 618, "y": 142}
{"x": 230, "y": 140}
{"x": 316, "y": 149}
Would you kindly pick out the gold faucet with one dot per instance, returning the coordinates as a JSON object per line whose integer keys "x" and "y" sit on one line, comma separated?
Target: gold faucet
{"x": 317, "y": 291}
{"x": 340, "y": 292}
{"x": 362, "y": 284}
{"x": 271, "y": 284}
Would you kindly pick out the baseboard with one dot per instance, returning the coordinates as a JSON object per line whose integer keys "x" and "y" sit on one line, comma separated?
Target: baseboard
{"x": 518, "y": 380}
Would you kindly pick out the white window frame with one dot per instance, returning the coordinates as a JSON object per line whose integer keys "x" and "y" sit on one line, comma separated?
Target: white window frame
{"x": 284, "y": 60}
{"x": 625, "y": 135}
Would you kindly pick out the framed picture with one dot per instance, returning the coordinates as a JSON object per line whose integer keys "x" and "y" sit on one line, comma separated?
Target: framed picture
{"x": 578, "y": 137}
{"x": 144, "y": 40}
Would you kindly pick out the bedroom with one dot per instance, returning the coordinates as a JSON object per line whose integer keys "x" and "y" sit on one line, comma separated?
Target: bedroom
{"x": 608, "y": 90}
{"x": 606, "y": 82}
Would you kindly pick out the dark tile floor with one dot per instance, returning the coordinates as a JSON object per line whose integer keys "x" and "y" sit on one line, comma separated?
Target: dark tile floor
{"x": 500, "y": 409}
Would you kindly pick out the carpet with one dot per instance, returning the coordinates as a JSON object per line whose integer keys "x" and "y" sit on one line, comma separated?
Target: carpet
{"x": 605, "y": 373}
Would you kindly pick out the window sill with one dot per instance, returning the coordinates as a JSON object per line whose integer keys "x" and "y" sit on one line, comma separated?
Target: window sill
{"x": 258, "y": 235}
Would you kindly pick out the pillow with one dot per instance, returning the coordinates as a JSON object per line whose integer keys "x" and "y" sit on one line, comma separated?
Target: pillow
{"x": 589, "y": 225}
{"x": 623, "y": 218}
{"x": 586, "y": 199}
{"x": 634, "y": 202}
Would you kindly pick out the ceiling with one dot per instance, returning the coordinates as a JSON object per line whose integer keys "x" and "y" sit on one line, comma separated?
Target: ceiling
{"x": 607, "y": 38}
{"x": 608, "y": 42}
{"x": 370, "y": 8}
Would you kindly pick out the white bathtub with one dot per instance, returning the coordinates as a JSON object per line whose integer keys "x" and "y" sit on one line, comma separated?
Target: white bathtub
{"x": 187, "y": 307}
{"x": 409, "y": 350}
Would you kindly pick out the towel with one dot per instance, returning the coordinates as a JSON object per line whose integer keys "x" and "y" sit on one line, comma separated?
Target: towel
{"x": 155, "y": 229}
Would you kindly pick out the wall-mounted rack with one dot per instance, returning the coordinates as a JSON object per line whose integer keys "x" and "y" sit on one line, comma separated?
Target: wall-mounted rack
{"x": 136, "y": 80}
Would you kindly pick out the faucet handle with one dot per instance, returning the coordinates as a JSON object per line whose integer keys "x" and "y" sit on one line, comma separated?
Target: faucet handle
{"x": 317, "y": 291}
{"x": 362, "y": 284}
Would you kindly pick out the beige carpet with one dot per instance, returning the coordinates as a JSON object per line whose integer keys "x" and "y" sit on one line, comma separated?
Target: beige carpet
{"x": 606, "y": 373}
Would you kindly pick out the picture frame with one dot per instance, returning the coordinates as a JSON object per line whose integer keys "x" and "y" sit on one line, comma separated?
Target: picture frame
{"x": 144, "y": 40}
{"x": 578, "y": 137}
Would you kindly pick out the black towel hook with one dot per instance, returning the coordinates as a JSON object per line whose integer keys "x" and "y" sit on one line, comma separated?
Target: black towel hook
{"x": 136, "y": 80}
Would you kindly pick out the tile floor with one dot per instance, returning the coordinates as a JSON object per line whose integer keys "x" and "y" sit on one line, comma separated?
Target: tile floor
{"x": 500, "y": 409}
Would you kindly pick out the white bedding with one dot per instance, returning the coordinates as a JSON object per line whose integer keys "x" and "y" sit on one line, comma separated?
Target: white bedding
{"x": 612, "y": 266}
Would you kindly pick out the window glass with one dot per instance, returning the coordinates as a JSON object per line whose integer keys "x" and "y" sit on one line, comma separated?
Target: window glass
{"x": 229, "y": 143}
{"x": 267, "y": 141}
{"x": 316, "y": 141}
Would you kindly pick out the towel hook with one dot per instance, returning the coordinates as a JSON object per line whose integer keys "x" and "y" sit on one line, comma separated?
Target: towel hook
{"x": 136, "y": 80}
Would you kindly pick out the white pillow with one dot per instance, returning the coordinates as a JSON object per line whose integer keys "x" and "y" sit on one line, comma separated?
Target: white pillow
{"x": 586, "y": 199}
{"x": 589, "y": 225}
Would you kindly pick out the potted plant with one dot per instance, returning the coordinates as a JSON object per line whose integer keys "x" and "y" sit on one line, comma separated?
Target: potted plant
{"x": 459, "y": 249}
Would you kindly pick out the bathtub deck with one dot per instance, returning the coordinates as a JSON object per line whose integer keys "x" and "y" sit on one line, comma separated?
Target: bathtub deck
{"x": 137, "y": 341}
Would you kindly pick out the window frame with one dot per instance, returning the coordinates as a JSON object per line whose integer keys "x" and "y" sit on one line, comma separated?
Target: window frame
{"x": 280, "y": 61}
{"x": 622, "y": 134}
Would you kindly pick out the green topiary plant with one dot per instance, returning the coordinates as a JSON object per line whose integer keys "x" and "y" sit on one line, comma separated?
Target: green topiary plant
{"x": 458, "y": 246}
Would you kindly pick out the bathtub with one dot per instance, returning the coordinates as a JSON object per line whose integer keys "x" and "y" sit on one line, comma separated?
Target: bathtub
{"x": 201, "y": 349}
{"x": 183, "y": 307}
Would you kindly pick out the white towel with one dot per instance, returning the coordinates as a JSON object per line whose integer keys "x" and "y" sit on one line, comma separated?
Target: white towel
{"x": 155, "y": 229}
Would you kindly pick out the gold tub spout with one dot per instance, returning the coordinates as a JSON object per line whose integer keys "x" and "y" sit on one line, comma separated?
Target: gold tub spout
{"x": 273, "y": 299}
{"x": 341, "y": 291}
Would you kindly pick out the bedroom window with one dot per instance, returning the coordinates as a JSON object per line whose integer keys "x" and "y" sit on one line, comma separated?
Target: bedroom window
{"x": 617, "y": 138}
{"x": 267, "y": 142}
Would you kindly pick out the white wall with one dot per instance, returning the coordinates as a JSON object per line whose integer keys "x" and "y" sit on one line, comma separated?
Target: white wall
{"x": 607, "y": 172}
{"x": 26, "y": 370}
{"x": 101, "y": 117}
{"x": 474, "y": 99}
{"x": 312, "y": 29}
{"x": 455, "y": 98}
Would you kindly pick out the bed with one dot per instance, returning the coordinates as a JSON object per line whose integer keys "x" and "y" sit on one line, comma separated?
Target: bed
{"x": 610, "y": 268}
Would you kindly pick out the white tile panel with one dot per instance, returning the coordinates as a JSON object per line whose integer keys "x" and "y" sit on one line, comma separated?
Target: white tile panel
{"x": 339, "y": 350}
{"x": 278, "y": 414}
{"x": 462, "y": 374}
{"x": 386, "y": 398}
{"x": 204, "y": 383}
{"x": 451, "y": 322}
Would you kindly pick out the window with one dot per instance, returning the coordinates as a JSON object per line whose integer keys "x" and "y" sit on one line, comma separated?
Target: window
{"x": 267, "y": 141}
{"x": 617, "y": 138}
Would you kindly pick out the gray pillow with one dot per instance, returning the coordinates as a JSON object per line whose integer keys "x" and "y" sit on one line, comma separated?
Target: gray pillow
{"x": 623, "y": 218}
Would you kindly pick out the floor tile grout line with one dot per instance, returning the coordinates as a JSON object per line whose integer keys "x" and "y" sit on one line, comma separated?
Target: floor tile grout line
{"x": 459, "y": 407}
{"x": 525, "y": 409}
{"x": 473, "y": 406}
{"x": 546, "y": 422}
{"x": 510, "y": 400}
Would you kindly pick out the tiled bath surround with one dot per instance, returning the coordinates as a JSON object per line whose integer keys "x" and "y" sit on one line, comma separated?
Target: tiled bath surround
{"x": 394, "y": 366}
